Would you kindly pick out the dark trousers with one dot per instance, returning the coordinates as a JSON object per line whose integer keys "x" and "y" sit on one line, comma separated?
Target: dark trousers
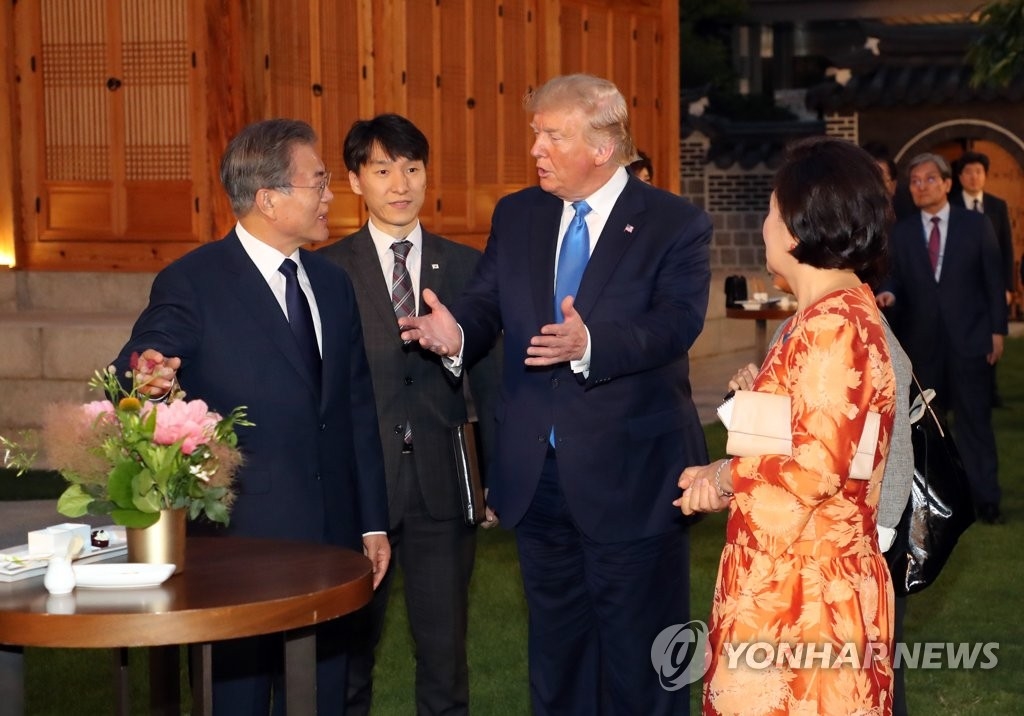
{"x": 964, "y": 385}
{"x": 436, "y": 558}
{"x": 248, "y": 674}
{"x": 595, "y": 610}
{"x": 899, "y": 689}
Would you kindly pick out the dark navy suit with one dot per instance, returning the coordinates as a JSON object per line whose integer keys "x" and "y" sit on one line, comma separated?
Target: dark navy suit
{"x": 313, "y": 465}
{"x": 946, "y": 327}
{"x": 999, "y": 214}
{"x": 603, "y": 551}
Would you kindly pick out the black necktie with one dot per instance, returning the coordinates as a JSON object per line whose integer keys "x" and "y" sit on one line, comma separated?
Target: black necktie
{"x": 977, "y": 206}
{"x": 301, "y": 318}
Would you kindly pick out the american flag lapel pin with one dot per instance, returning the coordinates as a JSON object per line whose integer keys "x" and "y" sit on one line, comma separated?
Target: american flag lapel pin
{"x": 629, "y": 228}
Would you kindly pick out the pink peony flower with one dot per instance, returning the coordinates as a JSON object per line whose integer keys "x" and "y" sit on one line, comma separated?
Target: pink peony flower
{"x": 96, "y": 408}
{"x": 188, "y": 421}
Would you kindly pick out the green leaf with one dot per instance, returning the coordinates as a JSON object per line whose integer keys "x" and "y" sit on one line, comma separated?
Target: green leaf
{"x": 119, "y": 485}
{"x": 73, "y": 502}
{"x": 134, "y": 518}
{"x": 216, "y": 511}
{"x": 145, "y": 496}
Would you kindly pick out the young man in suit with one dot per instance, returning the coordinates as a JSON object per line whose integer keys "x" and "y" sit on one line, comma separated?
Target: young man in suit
{"x": 391, "y": 260}
{"x": 599, "y": 283}
{"x": 972, "y": 172}
{"x": 947, "y": 285}
{"x": 255, "y": 320}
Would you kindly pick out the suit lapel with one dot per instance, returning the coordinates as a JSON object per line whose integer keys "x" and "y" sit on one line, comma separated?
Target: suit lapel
{"x": 370, "y": 282}
{"x": 951, "y": 253}
{"x": 433, "y": 268}
{"x": 624, "y": 226}
{"x": 256, "y": 297}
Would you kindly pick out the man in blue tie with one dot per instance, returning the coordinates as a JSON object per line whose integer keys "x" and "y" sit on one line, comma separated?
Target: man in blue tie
{"x": 599, "y": 285}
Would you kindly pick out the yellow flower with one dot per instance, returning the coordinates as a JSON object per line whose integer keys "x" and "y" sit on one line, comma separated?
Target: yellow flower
{"x": 130, "y": 403}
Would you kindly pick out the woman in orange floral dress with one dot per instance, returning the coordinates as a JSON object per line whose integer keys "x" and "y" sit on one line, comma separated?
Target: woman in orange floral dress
{"x": 802, "y": 615}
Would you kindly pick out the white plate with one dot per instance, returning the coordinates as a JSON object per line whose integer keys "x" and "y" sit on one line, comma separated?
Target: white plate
{"x": 121, "y": 576}
{"x": 16, "y": 563}
{"x": 758, "y": 305}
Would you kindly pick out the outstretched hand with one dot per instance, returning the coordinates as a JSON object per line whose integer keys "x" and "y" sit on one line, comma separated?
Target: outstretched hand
{"x": 155, "y": 373}
{"x": 437, "y": 331}
{"x": 559, "y": 342}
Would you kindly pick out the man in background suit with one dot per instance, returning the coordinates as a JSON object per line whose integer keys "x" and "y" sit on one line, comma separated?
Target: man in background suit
{"x": 234, "y": 328}
{"x": 596, "y": 419}
{"x": 418, "y": 402}
{"x": 972, "y": 171}
{"x": 947, "y": 285}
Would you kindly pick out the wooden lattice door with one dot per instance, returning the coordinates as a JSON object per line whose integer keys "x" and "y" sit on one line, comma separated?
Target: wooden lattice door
{"x": 113, "y": 144}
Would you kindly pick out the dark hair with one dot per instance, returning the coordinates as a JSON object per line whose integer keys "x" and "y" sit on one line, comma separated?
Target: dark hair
{"x": 880, "y": 153}
{"x": 260, "y": 157}
{"x": 972, "y": 158}
{"x": 396, "y": 136}
{"x": 832, "y": 199}
{"x": 642, "y": 162}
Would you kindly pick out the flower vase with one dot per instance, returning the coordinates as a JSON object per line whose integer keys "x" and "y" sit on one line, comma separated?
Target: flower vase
{"x": 162, "y": 542}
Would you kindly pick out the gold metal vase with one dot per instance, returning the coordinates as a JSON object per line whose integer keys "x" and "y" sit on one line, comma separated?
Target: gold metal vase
{"x": 160, "y": 543}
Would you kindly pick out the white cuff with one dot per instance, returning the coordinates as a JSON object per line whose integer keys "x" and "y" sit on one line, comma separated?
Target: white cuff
{"x": 886, "y": 536}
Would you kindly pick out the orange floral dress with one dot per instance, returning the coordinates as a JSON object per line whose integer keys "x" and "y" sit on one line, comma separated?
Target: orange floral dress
{"x": 802, "y": 616}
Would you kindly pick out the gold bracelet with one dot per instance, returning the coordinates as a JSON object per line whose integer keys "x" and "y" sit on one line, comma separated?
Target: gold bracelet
{"x": 722, "y": 492}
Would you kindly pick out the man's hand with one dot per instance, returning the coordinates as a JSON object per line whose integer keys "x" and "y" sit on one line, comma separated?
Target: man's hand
{"x": 885, "y": 299}
{"x": 490, "y": 516}
{"x": 559, "y": 342}
{"x": 997, "y": 349}
{"x": 155, "y": 373}
{"x": 378, "y": 549}
{"x": 437, "y": 331}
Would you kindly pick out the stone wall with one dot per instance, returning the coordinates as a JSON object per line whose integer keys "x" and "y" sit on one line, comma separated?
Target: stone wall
{"x": 56, "y": 329}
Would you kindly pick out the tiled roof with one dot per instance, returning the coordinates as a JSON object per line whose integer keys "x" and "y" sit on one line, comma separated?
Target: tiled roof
{"x": 748, "y": 143}
{"x": 908, "y": 85}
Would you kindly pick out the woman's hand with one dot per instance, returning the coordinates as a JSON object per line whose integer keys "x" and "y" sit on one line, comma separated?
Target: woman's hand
{"x": 744, "y": 378}
{"x": 700, "y": 493}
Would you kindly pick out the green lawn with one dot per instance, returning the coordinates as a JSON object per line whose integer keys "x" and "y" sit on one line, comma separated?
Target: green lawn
{"x": 977, "y": 599}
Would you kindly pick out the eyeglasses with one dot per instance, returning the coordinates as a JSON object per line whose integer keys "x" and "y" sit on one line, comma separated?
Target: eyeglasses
{"x": 930, "y": 180}
{"x": 321, "y": 187}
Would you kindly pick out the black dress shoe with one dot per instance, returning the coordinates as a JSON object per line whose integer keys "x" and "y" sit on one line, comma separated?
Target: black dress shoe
{"x": 989, "y": 514}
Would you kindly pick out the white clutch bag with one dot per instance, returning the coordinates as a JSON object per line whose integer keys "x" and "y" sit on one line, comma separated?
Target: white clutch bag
{"x": 760, "y": 424}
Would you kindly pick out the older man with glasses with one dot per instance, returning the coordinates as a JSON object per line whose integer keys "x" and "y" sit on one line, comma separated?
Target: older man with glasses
{"x": 946, "y": 288}
{"x": 255, "y": 320}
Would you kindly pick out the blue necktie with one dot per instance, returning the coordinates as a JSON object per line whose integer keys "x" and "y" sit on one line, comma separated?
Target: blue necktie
{"x": 572, "y": 258}
{"x": 300, "y": 318}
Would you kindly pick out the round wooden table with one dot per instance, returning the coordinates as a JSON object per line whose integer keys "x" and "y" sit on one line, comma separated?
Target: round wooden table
{"x": 232, "y": 587}
{"x": 760, "y": 317}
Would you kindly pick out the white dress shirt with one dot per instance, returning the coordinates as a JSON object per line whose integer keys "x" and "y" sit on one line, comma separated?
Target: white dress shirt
{"x": 268, "y": 260}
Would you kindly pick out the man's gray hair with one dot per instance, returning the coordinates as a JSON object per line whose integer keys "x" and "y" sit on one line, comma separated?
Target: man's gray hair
{"x": 937, "y": 159}
{"x": 260, "y": 157}
{"x": 600, "y": 101}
